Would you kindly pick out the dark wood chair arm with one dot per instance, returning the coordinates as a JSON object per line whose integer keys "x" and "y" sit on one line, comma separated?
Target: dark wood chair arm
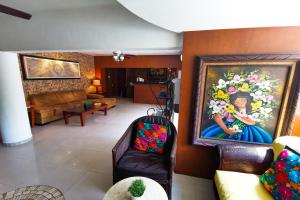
{"x": 173, "y": 153}
{"x": 122, "y": 145}
{"x": 255, "y": 159}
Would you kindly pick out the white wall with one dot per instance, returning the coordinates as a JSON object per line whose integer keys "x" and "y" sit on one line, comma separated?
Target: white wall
{"x": 191, "y": 15}
{"x": 14, "y": 122}
{"x": 105, "y": 26}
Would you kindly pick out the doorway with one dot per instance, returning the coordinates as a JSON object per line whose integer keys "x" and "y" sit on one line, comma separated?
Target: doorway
{"x": 115, "y": 82}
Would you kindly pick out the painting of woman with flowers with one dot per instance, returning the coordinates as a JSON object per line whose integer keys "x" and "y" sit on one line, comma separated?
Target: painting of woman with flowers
{"x": 243, "y": 102}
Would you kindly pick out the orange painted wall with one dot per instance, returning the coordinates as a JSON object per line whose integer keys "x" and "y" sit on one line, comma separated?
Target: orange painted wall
{"x": 155, "y": 61}
{"x": 296, "y": 130}
{"x": 199, "y": 161}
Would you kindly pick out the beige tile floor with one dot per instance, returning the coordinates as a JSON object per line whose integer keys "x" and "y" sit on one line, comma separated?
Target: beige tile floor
{"x": 77, "y": 160}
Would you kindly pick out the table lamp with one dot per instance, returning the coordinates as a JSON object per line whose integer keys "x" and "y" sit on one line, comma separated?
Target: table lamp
{"x": 97, "y": 84}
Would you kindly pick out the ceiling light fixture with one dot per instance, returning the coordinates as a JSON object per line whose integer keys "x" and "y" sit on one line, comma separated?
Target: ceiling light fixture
{"x": 118, "y": 56}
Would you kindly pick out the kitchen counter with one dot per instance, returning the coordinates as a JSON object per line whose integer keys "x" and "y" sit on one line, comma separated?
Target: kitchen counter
{"x": 145, "y": 92}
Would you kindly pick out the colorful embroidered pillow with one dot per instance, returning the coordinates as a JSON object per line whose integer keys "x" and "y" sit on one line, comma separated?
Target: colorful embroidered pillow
{"x": 150, "y": 137}
{"x": 282, "y": 180}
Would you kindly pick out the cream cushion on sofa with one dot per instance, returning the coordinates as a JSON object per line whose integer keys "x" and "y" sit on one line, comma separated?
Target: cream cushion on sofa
{"x": 111, "y": 102}
{"x": 240, "y": 186}
{"x": 280, "y": 142}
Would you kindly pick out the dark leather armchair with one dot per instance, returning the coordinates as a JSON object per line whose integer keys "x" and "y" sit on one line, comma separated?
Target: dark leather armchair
{"x": 254, "y": 159}
{"x": 128, "y": 162}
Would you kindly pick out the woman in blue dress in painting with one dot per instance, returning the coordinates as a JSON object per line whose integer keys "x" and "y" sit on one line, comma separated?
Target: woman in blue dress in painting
{"x": 249, "y": 131}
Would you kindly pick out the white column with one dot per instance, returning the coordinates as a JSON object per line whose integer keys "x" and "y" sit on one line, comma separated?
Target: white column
{"x": 14, "y": 121}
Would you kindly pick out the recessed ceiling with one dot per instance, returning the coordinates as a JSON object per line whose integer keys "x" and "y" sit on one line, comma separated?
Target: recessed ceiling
{"x": 190, "y": 15}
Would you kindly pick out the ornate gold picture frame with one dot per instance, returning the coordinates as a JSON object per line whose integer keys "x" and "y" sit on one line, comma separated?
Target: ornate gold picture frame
{"x": 247, "y": 99}
{"x": 35, "y": 68}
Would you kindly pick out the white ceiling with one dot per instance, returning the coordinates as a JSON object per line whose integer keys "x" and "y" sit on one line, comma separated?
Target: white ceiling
{"x": 48, "y": 5}
{"x": 96, "y": 26}
{"x": 139, "y": 27}
{"x": 190, "y": 15}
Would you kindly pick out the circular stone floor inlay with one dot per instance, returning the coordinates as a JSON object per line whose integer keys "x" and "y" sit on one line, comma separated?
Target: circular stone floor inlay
{"x": 40, "y": 192}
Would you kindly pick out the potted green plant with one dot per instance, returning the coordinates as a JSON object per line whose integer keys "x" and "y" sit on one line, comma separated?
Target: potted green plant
{"x": 137, "y": 189}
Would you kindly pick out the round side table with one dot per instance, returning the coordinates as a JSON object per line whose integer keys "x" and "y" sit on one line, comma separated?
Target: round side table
{"x": 119, "y": 191}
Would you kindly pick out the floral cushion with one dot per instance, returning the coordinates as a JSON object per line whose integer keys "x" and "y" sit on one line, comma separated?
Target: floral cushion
{"x": 282, "y": 180}
{"x": 150, "y": 137}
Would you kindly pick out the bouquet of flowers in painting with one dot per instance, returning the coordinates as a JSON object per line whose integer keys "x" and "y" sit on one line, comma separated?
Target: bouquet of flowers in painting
{"x": 241, "y": 104}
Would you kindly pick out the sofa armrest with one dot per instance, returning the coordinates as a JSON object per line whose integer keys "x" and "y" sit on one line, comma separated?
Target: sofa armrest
{"x": 255, "y": 159}
{"x": 122, "y": 145}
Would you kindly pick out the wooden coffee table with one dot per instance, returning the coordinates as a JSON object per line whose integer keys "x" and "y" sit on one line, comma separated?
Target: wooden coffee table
{"x": 82, "y": 113}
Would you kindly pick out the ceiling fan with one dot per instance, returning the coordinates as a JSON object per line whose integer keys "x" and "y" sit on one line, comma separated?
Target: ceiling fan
{"x": 14, "y": 12}
{"x": 119, "y": 56}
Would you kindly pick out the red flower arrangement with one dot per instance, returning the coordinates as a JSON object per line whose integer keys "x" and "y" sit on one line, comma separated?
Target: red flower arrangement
{"x": 281, "y": 177}
{"x": 140, "y": 126}
{"x": 285, "y": 192}
{"x": 147, "y": 133}
{"x": 280, "y": 165}
{"x": 153, "y": 145}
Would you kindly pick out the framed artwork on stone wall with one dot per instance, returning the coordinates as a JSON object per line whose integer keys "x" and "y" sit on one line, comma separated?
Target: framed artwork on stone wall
{"x": 35, "y": 68}
{"x": 248, "y": 99}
